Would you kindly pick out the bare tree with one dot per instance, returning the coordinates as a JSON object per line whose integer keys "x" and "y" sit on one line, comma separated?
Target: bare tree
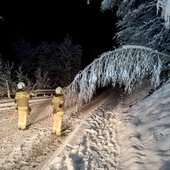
{"x": 42, "y": 79}
{"x": 2, "y": 83}
{"x": 7, "y": 79}
{"x": 21, "y": 77}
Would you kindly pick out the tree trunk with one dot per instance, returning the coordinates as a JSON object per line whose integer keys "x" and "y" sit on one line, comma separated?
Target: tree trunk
{"x": 8, "y": 91}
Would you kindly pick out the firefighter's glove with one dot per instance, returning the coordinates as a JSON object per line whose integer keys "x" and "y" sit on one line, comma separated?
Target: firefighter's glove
{"x": 32, "y": 93}
{"x": 60, "y": 105}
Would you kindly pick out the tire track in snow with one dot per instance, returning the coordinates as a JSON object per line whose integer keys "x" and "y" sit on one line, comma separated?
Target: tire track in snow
{"x": 94, "y": 143}
{"x": 28, "y": 149}
{"x": 97, "y": 148}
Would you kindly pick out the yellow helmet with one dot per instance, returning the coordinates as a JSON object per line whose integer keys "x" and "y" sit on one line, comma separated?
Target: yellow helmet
{"x": 59, "y": 90}
{"x": 21, "y": 85}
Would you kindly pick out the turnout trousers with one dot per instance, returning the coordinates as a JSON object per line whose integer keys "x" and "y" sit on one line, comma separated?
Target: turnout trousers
{"x": 57, "y": 123}
{"x": 22, "y": 118}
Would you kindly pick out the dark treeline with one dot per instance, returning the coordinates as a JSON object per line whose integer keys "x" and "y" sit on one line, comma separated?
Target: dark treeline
{"x": 45, "y": 65}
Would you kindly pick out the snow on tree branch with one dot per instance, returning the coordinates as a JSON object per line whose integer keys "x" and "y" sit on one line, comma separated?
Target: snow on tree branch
{"x": 142, "y": 20}
{"x": 165, "y": 13}
{"x": 163, "y": 4}
{"x": 129, "y": 65}
{"x": 108, "y": 4}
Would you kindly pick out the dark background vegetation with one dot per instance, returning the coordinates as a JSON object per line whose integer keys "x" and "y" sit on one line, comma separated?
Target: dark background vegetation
{"x": 45, "y": 44}
{"x": 51, "y": 21}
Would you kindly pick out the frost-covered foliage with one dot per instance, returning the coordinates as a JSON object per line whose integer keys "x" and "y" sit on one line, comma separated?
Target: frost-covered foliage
{"x": 165, "y": 14}
{"x": 108, "y": 4}
{"x": 42, "y": 79}
{"x": 163, "y": 4}
{"x": 7, "y": 83}
{"x": 141, "y": 26}
{"x": 128, "y": 65}
{"x": 143, "y": 23}
{"x": 9, "y": 78}
{"x": 21, "y": 77}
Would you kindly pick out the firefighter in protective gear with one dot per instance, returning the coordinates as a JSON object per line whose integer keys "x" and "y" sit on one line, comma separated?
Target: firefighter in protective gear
{"x": 22, "y": 105}
{"x": 58, "y": 110}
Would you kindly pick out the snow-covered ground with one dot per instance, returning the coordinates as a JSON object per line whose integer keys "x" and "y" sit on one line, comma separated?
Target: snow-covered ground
{"x": 113, "y": 131}
{"x": 144, "y": 133}
{"x": 132, "y": 133}
{"x": 27, "y": 150}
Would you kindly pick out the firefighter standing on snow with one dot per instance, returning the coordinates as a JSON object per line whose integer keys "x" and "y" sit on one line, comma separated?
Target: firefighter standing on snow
{"x": 58, "y": 110}
{"x": 22, "y": 105}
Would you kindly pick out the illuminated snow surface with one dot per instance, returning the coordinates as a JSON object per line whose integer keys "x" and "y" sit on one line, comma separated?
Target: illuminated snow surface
{"x": 123, "y": 133}
{"x": 113, "y": 131}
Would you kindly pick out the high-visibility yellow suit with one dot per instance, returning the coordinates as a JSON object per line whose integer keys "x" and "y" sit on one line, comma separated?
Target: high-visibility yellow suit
{"x": 22, "y": 107}
{"x": 58, "y": 112}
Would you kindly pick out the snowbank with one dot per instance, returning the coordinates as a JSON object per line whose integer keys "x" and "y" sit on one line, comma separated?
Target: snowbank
{"x": 144, "y": 135}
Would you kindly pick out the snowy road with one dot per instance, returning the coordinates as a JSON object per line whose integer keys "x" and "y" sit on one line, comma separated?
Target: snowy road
{"x": 29, "y": 149}
{"x": 94, "y": 144}
{"x": 113, "y": 132}
{"x": 22, "y": 149}
{"x": 130, "y": 133}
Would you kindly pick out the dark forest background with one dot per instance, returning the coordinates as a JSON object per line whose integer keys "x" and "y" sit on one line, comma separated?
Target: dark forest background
{"x": 46, "y": 44}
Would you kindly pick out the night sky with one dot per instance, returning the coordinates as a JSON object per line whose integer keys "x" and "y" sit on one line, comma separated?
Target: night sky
{"x": 52, "y": 20}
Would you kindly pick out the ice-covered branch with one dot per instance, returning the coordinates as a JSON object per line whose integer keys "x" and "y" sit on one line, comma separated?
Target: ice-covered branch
{"x": 165, "y": 13}
{"x": 129, "y": 65}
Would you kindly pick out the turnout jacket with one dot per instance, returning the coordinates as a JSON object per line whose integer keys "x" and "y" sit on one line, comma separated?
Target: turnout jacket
{"x": 21, "y": 100}
{"x": 58, "y": 103}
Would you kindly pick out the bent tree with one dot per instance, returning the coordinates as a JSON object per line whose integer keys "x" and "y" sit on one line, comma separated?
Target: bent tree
{"x": 129, "y": 64}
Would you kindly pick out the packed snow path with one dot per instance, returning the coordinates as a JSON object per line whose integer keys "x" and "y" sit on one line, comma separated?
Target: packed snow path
{"x": 93, "y": 145}
{"x": 132, "y": 134}
{"x": 97, "y": 147}
{"x": 28, "y": 149}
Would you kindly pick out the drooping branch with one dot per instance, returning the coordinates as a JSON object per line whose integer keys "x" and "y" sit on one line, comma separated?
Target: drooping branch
{"x": 128, "y": 64}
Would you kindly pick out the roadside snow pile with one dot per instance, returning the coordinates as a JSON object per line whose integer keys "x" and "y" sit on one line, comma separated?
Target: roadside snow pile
{"x": 144, "y": 135}
{"x": 121, "y": 137}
